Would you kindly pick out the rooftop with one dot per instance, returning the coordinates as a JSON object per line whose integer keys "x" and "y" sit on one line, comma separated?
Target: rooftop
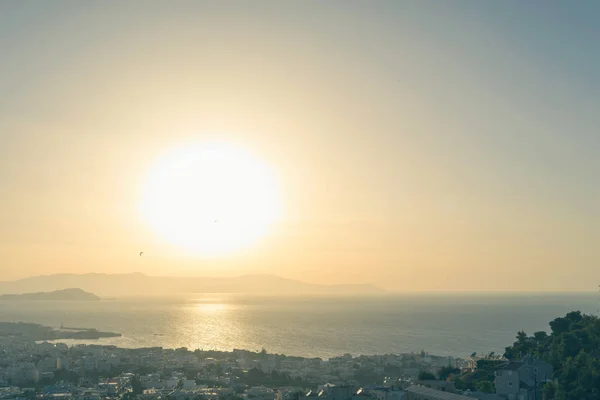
{"x": 436, "y": 394}
{"x": 484, "y": 396}
{"x": 512, "y": 366}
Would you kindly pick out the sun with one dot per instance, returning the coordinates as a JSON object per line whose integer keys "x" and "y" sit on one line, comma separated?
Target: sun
{"x": 211, "y": 198}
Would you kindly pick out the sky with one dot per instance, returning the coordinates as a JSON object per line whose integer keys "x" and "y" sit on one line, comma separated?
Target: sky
{"x": 418, "y": 145}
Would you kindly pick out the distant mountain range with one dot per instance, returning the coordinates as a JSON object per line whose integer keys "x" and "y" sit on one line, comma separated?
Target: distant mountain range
{"x": 137, "y": 284}
{"x": 62, "y": 295}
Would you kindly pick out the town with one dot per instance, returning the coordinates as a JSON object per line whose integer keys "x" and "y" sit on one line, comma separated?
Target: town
{"x": 47, "y": 370}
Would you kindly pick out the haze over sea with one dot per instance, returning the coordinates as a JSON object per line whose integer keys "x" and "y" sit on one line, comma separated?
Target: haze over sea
{"x": 441, "y": 324}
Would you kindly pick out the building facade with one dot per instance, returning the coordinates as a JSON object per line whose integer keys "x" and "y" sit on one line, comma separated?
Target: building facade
{"x": 523, "y": 380}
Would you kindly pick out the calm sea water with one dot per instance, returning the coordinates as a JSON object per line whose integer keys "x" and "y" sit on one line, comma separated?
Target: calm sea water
{"x": 454, "y": 325}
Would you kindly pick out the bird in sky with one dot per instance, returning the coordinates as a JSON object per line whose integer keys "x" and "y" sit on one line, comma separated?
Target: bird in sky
{"x": 141, "y": 252}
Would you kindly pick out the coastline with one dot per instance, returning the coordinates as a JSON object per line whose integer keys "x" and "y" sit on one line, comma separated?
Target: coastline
{"x": 38, "y": 333}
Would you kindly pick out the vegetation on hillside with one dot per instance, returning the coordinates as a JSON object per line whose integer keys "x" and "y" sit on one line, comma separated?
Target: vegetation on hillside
{"x": 426, "y": 376}
{"x": 573, "y": 349}
{"x": 482, "y": 379}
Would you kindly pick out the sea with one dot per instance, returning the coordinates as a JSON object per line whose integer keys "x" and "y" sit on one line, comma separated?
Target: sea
{"x": 441, "y": 324}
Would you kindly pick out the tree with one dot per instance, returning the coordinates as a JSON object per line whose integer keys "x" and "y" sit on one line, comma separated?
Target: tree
{"x": 29, "y": 395}
{"x": 549, "y": 391}
{"x": 445, "y": 372}
{"x": 460, "y": 384}
{"x": 485, "y": 386}
{"x": 136, "y": 386}
{"x": 572, "y": 349}
{"x": 426, "y": 376}
{"x": 482, "y": 377}
{"x": 255, "y": 377}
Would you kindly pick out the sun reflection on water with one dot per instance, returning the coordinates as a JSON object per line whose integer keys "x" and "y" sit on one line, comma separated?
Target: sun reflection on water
{"x": 210, "y": 323}
{"x": 210, "y": 308}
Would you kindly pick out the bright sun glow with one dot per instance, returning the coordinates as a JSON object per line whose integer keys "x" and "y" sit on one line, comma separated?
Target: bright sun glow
{"x": 211, "y": 199}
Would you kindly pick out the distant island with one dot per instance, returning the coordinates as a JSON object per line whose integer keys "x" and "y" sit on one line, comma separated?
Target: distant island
{"x": 57, "y": 295}
{"x": 138, "y": 284}
{"x": 36, "y": 332}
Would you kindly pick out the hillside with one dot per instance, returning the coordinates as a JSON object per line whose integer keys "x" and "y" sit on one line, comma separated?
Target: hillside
{"x": 572, "y": 347}
{"x": 62, "y": 295}
{"x": 138, "y": 284}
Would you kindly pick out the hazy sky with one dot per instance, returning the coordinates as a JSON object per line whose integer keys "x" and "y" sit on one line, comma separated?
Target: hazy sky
{"x": 420, "y": 145}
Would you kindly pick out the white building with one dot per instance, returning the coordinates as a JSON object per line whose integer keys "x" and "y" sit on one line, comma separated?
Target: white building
{"x": 63, "y": 364}
{"x": 188, "y": 384}
{"x": 385, "y": 393}
{"x": 259, "y": 393}
{"x": 47, "y": 364}
{"x": 23, "y": 373}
